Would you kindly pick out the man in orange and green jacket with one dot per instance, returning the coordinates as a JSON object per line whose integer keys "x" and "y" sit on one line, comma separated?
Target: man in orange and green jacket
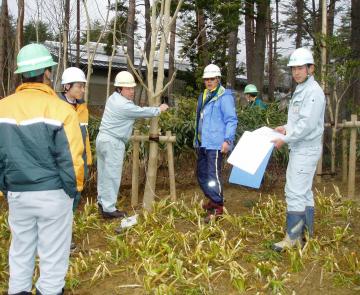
{"x": 41, "y": 171}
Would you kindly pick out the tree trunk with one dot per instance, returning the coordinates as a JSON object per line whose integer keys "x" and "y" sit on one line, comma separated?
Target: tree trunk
{"x": 231, "y": 68}
{"x": 355, "y": 47}
{"x": 147, "y": 28}
{"x": 130, "y": 33}
{"x": 330, "y": 24}
{"x": 172, "y": 63}
{"x": 164, "y": 27}
{"x": 270, "y": 59}
{"x": 78, "y": 33}
{"x": 4, "y": 29}
{"x": 112, "y": 51}
{"x": 249, "y": 39}
{"x": 144, "y": 99}
{"x": 299, "y": 22}
{"x": 275, "y": 42}
{"x": 202, "y": 41}
{"x": 149, "y": 193}
{"x": 260, "y": 43}
{"x": 66, "y": 33}
{"x": 19, "y": 40}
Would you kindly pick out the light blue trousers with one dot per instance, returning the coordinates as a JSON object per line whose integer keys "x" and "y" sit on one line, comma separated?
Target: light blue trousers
{"x": 299, "y": 178}
{"x": 110, "y": 155}
{"x": 40, "y": 223}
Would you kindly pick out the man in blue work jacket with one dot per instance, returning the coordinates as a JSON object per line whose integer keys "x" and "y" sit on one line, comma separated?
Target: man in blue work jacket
{"x": 303, "y": 133}
{"x": 216, "y": 123}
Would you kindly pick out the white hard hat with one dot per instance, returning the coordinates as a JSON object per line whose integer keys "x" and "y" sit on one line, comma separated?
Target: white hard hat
{"x": 72, "y": 75}
{"x": 124, "y": 79}
{"x": 211, "y": 71}
{"x": 300, "y": 57}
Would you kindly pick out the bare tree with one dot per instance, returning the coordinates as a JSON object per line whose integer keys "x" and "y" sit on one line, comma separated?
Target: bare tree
{"x": 4, "y": 29}
{"x": 113, "y": 51}
{"x": 77, "y": 33}
{"x": 355, "y": 46}
{"x": 161, "y": 23}
{"x": 91, "y": 50}
{"x": 66, "y": 33}
{"x": 202, "y": 41}
{"x": 270, "y": 56}
{"x": 130, "y": 29}
{"x": 172, "y": 61}
{"x": 19, "y": 40}
{"x": 249, "y": 38}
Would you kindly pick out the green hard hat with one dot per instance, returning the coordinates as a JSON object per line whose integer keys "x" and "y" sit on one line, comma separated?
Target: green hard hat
{"x": 251, "y": 88}
{"x": 33, "y": 59}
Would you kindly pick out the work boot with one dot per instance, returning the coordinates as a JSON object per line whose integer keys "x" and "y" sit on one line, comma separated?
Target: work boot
{"x": 295, "y": 225}
{"x": 111, "y": 215}
{"x": 286, "y": 243}
{"x": 21, "y": 293}
{"x": 214, "y": 213}
{"x": 309, "y": 220}
{"x": 210, "y": 205}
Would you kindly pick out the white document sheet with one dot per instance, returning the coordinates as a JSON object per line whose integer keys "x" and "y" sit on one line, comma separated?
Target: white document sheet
{"x": 252, "y": 148}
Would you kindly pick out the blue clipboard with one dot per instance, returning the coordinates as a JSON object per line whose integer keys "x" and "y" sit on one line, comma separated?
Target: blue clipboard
{"x": 241, "y": 177}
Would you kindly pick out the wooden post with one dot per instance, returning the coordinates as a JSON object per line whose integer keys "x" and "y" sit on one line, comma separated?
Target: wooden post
{"x": 170, "y": 154}
{"x": 135, "y": 171}
{"x": 344, "y": 154}
{"x": 352, "y": 158}
{"x": 319, "y": 164}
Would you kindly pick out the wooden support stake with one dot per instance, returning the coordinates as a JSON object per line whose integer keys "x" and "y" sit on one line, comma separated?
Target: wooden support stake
{"x": 162, "y": 138}
{"x": 135, "y": 171}
{"x": 352, "y": 159}
{"x": 344, "y": 145}
{"x": 170, "y": 154}
{"x": 319, "y": 164}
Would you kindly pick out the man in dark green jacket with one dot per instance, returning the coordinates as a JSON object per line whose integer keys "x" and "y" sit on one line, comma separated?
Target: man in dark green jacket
{"x": 41, "y": 171}
{"x": 251, "y": 95}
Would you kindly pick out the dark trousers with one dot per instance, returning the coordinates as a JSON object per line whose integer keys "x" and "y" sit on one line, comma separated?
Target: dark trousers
{"x": 209, "y": 174}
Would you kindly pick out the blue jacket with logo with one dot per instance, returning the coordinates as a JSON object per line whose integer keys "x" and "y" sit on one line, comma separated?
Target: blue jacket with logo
{"x": 219, "y": 120}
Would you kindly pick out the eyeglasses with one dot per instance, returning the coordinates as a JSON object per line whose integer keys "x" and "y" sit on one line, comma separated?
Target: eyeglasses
{"x": 209, "y": 79}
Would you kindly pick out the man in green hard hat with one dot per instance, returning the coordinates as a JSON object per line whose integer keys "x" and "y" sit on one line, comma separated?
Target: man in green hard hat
{"x": 251, "y": 95}
{"x": 41, "y": 171}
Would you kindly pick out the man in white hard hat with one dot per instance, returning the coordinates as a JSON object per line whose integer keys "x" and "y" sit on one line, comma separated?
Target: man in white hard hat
{"x": 73, "y": 82}
{"x": 42, "y": 170}
{"x": 303, "y": 133}
{"x": 216, "y": 123}
{"x": 115, "y": 130}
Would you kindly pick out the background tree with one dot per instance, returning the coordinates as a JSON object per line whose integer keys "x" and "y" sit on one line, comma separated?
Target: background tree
{"x": 44, "y": 33}
{"x": 355, "y": 48}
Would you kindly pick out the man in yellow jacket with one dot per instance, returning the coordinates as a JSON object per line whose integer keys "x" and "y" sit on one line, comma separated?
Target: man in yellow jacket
{"x": 73, "y": 81}
{"x": 41, "y": 171}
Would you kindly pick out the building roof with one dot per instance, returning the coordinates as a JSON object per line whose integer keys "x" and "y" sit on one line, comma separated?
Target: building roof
{"x": 101, "y": 59}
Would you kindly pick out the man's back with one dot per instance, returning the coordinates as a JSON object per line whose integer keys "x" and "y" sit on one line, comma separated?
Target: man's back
{"x": 39, "y": 146}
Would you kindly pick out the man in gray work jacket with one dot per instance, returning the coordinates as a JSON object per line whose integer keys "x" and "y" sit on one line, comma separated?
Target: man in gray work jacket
{"x": 303, "y": 133}
{"x": 115, "y": 130}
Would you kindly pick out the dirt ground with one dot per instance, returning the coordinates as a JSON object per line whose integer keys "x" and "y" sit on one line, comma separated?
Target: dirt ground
{"x": 239, "y": 201}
